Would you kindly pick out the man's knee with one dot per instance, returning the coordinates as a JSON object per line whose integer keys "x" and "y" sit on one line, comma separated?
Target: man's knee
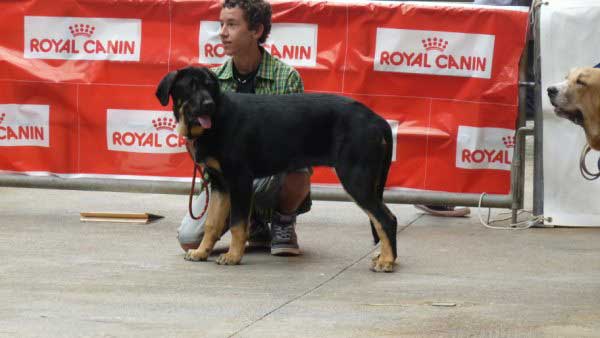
{"x": 191, "y": 231}
{"x": 266, "y": 191}
{"x": 294, "y": 191}
{"x": 296, "y": 183}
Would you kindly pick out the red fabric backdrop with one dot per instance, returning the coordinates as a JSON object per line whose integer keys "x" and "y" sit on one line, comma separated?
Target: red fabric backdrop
{"x": 444, "y": 76}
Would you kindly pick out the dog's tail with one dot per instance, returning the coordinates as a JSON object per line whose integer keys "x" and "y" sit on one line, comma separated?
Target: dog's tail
{"x": 388, "y": 145}
{"x": 387, "y": 159}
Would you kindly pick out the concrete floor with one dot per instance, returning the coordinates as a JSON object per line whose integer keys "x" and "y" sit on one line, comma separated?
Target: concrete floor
{"x": 60, "y": 277}
{"x": 63, "y": 278}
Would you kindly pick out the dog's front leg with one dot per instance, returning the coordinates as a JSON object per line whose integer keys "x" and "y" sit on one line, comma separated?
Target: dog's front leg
{"x": 241, "y": 197}
{"x": 219, "y": 206}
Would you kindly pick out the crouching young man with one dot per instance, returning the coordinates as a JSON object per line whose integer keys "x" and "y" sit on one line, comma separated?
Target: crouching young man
{"x": 245, "y": 25}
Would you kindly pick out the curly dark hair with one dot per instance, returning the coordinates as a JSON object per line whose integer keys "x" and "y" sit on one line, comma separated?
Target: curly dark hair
{"x": 256, "y": 12}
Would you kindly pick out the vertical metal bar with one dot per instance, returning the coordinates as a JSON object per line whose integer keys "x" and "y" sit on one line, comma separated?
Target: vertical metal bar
{"x": 518, "y": 169}
{"x": 538, "y": 167}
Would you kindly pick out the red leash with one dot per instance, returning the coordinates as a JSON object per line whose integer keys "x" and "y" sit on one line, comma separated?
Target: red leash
{"x": 204, "y": 187}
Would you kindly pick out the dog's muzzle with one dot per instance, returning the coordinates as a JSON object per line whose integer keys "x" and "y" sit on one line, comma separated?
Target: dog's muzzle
{"x": 208, "y": 105}
{"x": 575, "y": 115}
{"x": 552, "y": 92}
{"x": 191, "y": 124}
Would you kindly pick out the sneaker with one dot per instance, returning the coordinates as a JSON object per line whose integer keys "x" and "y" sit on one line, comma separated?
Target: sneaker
{"x": 284, "y": 241}
{"x": 444, "y": 210}
{"x": 259, "y": 235}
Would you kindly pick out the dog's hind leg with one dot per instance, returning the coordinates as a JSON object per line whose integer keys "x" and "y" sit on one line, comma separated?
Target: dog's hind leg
{"x": 241, "y": 198}
{"x": 387, "y": 145}
{"x": 381, "y": 218}
{"x": 386, "y": 229}
{"x": 364, "y": 182}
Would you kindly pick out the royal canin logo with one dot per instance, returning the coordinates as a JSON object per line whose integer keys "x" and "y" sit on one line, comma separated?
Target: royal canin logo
{"x": 24, "y": 125}
{"x": 436, "y": 53}
{"x": 164, "y": 124}
{"x": 143, "y": 131}
{"x": 82, "y": 38}
{"x": 82, "y": 30}
{"x": 509, "y": 141}
{"x": 20, "y": 133}
{"x": 286, "y": 52}
{"x": 434, "y": 44}
{"x": 484, "y": 148}
{"x": 293, "y": 43}
{"x": 487, "y": 155}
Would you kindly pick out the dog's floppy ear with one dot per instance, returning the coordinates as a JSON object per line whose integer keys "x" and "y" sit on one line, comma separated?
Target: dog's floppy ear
{"x": 164, "y": 88}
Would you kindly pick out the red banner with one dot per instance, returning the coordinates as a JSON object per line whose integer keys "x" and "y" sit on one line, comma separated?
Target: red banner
{"x": 77, "y": 83}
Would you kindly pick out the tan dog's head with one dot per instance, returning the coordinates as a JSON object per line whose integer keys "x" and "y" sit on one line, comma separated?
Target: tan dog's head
{"x": 578, "y": 100}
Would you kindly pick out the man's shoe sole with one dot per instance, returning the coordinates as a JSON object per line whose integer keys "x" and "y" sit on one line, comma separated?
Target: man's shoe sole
{"x": 189, "y": 246}
{"x": 457, "y": 212}
{"x": 285, "y": 251}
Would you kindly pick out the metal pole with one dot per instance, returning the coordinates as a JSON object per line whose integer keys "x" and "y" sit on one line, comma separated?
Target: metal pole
{"x": 538, "y": 166}
{"x": 182, "y": 188}
{"x": 96, "y": 184}
{"x": 518, "y": 168}
{"x": 420, "y": 197}
{"x": 518, "y": 171}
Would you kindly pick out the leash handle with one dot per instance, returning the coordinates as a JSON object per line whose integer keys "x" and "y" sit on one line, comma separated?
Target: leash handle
{"x": 188, "y": 146}
{"x": 583, "y": 168}
{"x": 204, "y": 188}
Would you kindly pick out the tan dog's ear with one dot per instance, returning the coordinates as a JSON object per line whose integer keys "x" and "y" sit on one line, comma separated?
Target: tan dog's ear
{"x": 590, "y": 103}
{"x": 164, "y": 88}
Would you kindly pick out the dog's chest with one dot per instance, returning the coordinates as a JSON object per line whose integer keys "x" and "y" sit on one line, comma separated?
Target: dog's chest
{"x": 202, "y": 150}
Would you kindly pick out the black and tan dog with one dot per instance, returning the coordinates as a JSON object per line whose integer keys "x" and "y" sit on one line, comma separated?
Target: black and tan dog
{"x": 239, "y": 137}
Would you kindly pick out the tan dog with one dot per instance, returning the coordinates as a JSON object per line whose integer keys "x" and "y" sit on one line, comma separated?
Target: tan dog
{"x": 578, "y": 100}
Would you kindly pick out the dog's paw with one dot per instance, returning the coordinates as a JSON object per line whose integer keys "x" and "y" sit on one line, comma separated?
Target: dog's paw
{"x": 196, "y": 256}
{"x": 228, "y": 259}
{"x": 378, "y": 265}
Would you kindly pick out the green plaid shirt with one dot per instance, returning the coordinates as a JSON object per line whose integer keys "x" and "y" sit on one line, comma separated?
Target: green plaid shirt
{"x": 273, "y": 77}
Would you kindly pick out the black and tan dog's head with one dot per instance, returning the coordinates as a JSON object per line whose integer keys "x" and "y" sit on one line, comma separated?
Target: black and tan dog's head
{"x": 195, "y": 93}
{"x": 578, "y": 100}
